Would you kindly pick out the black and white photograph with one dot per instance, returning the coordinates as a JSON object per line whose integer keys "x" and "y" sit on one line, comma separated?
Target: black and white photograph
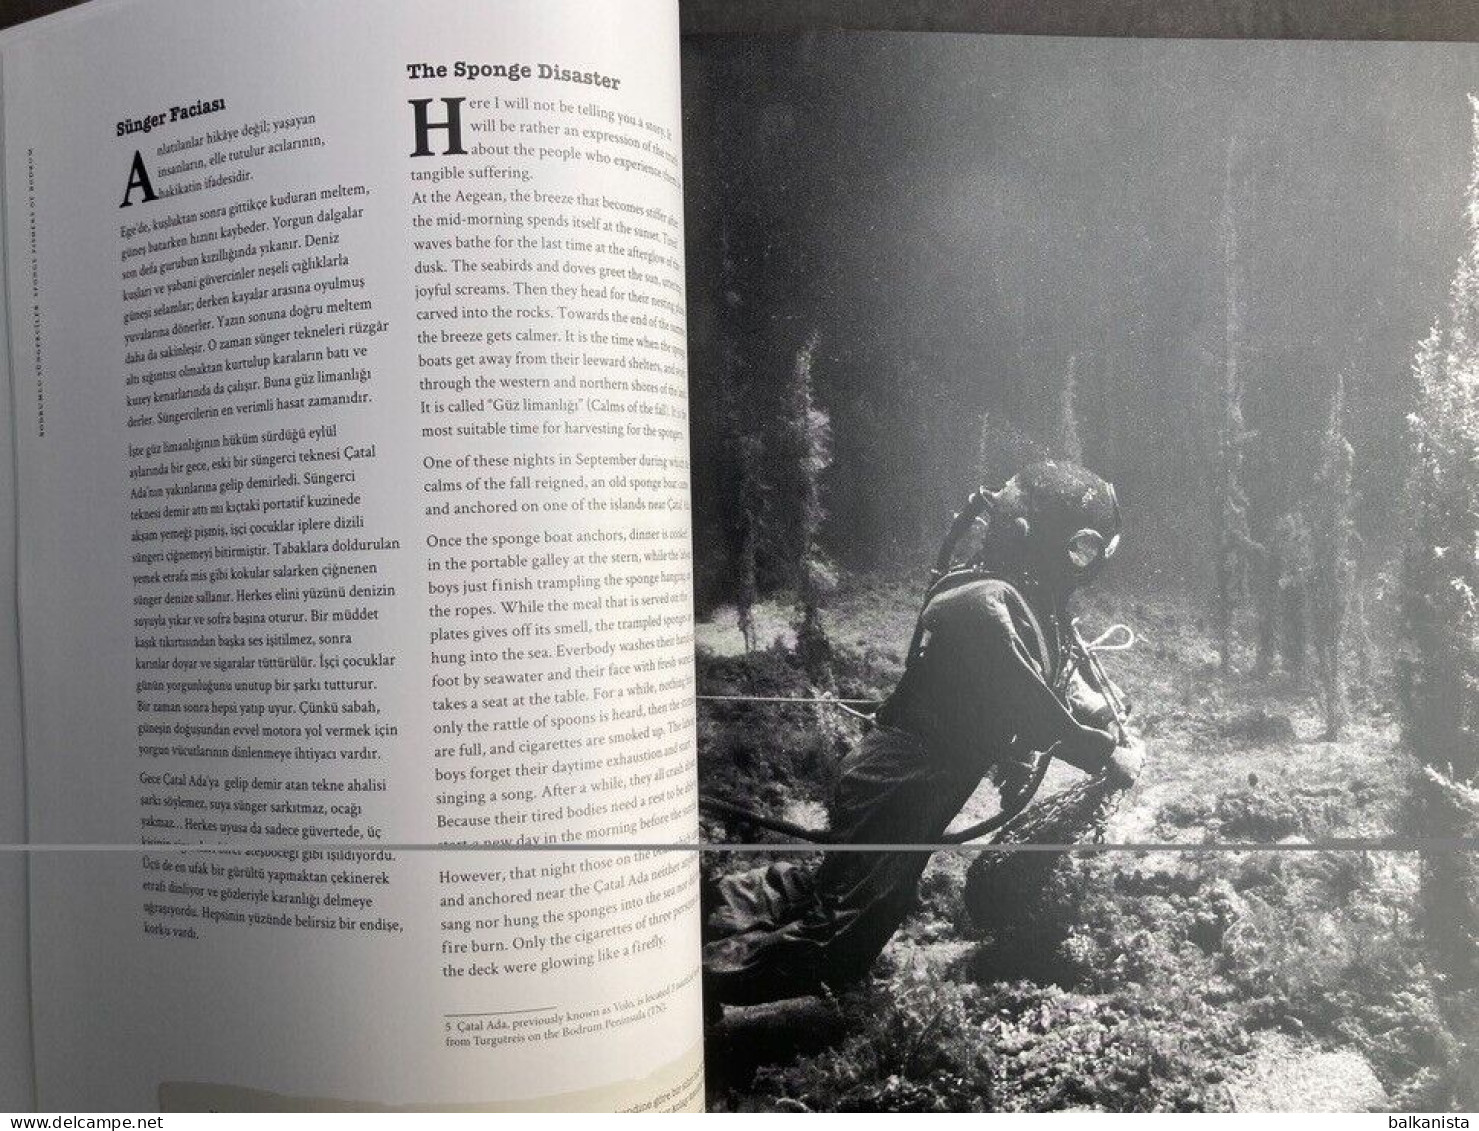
{"x": 1084, "y": 470}
{"x": 736, "y": 556}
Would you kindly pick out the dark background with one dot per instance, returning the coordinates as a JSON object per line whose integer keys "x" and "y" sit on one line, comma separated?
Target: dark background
{"x": 1237, "y": 19}
{"x": 1271, "y": 19}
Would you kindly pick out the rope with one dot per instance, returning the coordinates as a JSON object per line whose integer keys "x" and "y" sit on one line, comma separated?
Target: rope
{"x": 788, "y": 699}
{"x": 724, "y": 808}
{"x": 1116, "y": 638}
{"x": 774, "y": 824}
{"x": 992, "y": 824}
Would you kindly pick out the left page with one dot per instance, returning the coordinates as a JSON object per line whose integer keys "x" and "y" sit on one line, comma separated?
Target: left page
{"x": 354, "y": 525}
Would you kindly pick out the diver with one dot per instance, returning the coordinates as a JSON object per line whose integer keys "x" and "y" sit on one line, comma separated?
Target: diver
{"x": 989, "y": 682}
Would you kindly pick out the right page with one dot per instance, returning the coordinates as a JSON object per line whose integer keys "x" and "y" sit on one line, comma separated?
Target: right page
{"x": 1085, "y": 440}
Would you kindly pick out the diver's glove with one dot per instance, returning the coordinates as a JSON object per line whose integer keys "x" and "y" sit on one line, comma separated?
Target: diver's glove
{"x": 1124, "y": 763}
{"x": 1092, "y": 707}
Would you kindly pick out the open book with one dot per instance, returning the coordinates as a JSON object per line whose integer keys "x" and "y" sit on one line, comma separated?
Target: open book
{"x": 350, "y": 735}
